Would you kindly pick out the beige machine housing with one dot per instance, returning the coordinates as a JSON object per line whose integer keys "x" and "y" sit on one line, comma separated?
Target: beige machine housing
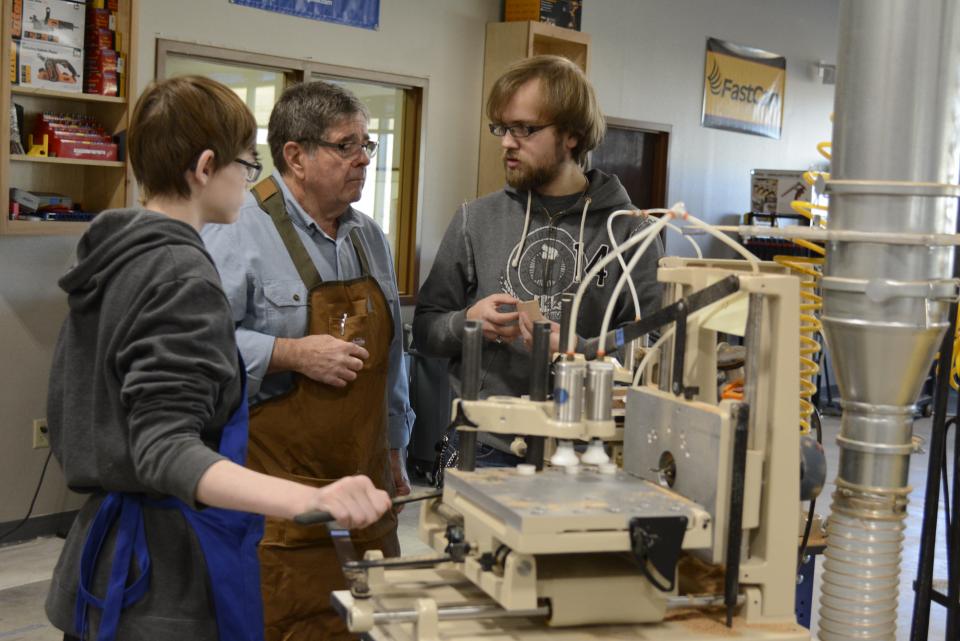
{"x": 551, "y": 550}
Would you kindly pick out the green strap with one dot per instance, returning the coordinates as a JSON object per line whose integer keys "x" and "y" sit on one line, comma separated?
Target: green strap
{"x": 270, "y": 199}
{"x": 361, "y": 255}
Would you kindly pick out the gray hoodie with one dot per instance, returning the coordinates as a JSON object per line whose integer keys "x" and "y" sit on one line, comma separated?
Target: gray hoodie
{"x": 485, "y": 251}
{"x": 144, "y": 376}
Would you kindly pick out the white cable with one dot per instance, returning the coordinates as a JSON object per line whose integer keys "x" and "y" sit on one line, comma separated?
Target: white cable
{"x": 578, "y": 297}
{"x": 651, "y": 235}
{"x": 649, "y": 355}
{"x": 623, "y": 264}
{"x": 523, "y": 235}
{"x": 726, "y": 240}
{"x": 678, "y": 210}
{"x": 696, "y": 246}
{"x": 580, "y": 250}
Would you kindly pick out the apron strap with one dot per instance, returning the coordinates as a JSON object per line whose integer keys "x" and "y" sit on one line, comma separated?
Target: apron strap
{"x": 361, "y": 255}
{"x": 124, "y": 511}
{"x": 270, "y": 199}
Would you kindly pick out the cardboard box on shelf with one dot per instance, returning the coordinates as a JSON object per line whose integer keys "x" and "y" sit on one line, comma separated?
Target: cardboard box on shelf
{"x": 17, "y": 23}
{"x": 101, "y": 60}
{"x": 101, "y": 19}
{"x": 74, "y": 137}
{"x": 105, "y": 83}
{"x": 14, "y": 59}
{"x": 99, "y": 39}
{"x": 83, "y": 149}
{"x": 59, "y": 21}
{"x": 562, "y": 13}
{"x": 46, "y": 65}
{"x": 112, "y": 5}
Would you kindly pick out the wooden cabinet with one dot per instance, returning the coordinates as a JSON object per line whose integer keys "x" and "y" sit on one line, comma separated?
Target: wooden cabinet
{"x": 96, "y": 185}
{"x": 506, "y": 43}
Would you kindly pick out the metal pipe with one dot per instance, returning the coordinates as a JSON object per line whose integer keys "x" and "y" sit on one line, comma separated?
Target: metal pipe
{"x": 460, "y": 613}
{"x": 485, "y": 611}
{"x": 923, "y": 586}
{"x": 629, "y": 351}
{"x": 701, "y": 601}
{"x": 599, "y": 392}
{"x": 470, "y": 370}
{"x": 467, "y": 449}
{"x": 568, "y": 395}
{"x": 566, "y": 309}
{"x": 539, "y": 386}
{"x": 953, "y": 547}
{"x": 894, "y": 154}
{"x": 470, "y": 364}
{"x": 731, "y": 573}
{"x": 540, "y": 361}
{"x": 751, "y": 372}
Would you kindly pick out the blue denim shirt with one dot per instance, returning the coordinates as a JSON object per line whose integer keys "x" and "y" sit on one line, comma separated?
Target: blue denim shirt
{"x": 269, "y": 300}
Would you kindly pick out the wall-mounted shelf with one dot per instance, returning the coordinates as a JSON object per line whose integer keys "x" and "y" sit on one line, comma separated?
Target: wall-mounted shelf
{"x": 94, "y": 185}
{"x": 62, "y": 95}
{"x": 44, "y": 228}
{"x": 66, "y": 161}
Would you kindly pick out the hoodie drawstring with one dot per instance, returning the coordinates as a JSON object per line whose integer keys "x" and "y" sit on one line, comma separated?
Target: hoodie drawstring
{"x": 580, "y": 254}
{"x": 526, "y": 227}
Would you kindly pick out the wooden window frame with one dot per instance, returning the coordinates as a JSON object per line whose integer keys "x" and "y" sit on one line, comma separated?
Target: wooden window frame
{"x": 416, "y": 90}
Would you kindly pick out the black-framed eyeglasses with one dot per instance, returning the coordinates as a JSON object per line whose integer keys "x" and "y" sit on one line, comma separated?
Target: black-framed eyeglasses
{"x": 253, "y": 169}
{"x": 517, "y": 131}
{"x": 349, "y": 149}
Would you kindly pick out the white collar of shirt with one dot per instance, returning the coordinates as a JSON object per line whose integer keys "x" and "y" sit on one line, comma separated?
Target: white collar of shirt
{"x": 303, "y": 220}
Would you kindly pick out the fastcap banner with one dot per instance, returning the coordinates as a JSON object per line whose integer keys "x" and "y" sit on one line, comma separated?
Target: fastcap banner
{"x": 743, "y": 89}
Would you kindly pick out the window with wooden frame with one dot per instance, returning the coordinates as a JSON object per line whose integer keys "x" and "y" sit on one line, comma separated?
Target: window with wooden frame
{"x": 391, "y": 193}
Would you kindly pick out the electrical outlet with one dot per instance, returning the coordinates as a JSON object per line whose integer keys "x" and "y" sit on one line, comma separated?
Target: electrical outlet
{"x": 40, "y": 434}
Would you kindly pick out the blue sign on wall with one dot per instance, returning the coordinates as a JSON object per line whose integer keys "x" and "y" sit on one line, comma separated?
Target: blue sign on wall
{"x": 353, "y": 13}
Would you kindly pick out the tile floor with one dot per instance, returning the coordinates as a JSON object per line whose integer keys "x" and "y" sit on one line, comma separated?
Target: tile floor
{"x": 25, "y": 568}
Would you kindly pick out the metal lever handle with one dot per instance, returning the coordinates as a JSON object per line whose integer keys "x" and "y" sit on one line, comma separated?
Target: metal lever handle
{"x": 322, "y": 516}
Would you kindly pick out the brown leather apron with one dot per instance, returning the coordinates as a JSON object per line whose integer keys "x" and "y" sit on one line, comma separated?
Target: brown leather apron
{"x": 315, "y": 434}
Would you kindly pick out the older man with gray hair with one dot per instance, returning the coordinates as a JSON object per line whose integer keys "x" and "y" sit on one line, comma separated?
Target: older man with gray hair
{"x": 314, "y": 296}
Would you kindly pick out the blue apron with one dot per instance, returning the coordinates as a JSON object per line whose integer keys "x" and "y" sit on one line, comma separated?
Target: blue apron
{"x": 228, "y": 539}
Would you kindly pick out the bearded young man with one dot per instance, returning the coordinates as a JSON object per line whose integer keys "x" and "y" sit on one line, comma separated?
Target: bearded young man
{"x": 535, "y": 239}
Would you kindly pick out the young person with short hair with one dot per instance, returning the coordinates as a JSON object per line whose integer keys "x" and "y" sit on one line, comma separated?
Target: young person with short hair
{"x": 147, "y": 404}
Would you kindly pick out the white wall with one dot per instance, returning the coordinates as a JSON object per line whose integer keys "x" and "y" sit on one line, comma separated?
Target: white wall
{"x": 647, "y": 61}
{"x": 441, "y": 40}
{"x": 32, "y": 308}
{"x": 647, "y": 64}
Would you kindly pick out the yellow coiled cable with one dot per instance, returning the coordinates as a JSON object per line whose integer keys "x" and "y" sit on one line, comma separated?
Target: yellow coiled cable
{"x": 808, "y": 268}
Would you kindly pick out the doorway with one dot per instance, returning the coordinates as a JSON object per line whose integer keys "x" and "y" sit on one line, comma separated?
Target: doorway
{"x": 636, "y": 152}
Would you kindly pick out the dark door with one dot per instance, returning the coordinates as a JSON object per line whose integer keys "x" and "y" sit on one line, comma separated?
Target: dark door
{"x": 638, "y": 157}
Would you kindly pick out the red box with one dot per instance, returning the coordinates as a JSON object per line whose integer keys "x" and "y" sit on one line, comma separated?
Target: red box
{"x": 68, "y": 148}
{"x": 111, "y": 5}
{"x": 103, "y": 83}
{"x": 17, "y": 26}
{"x": 100, "y": 61}
{"x": 98, "y": 39}
{"x": 101, "y": 19}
